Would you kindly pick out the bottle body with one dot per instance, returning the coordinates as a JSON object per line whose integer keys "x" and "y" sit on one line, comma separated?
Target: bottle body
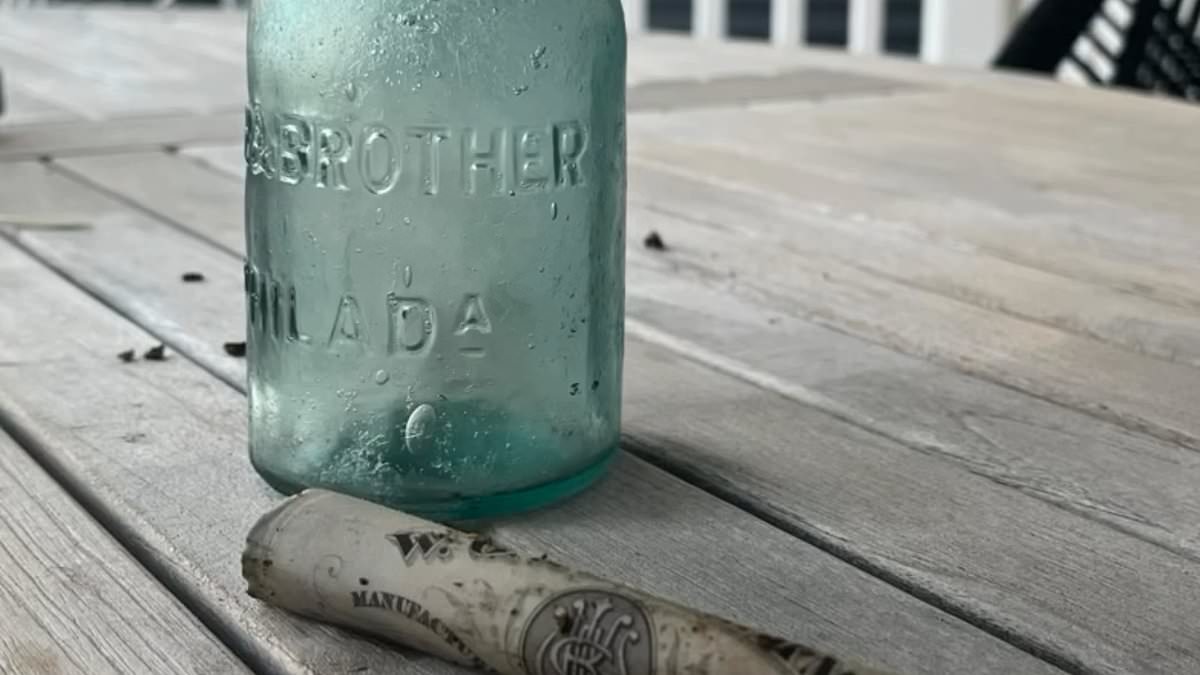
{"x": 435, "y": 235}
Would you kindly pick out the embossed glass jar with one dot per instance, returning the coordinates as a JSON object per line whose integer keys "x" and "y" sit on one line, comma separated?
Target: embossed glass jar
{"x": 435, "y": 232}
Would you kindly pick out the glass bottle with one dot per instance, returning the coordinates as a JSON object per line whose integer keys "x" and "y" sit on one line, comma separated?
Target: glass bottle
{"x": 435, "y": 231}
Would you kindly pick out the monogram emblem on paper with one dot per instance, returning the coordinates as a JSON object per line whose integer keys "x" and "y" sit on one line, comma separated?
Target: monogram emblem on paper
{"x": 588, "y": 633}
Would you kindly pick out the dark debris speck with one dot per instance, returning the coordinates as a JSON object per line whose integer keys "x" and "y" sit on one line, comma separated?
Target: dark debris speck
{"x": 654, "y": 241}
{"x": 156, "y": 353}
{"x": 363, "y": 581}
{"x": 235, "y": 348}
{"x": 127, "y": 356}
{"x": 192, "y": 277}
{"x": 595, "y": 385}
{"x": 574, "y": 388}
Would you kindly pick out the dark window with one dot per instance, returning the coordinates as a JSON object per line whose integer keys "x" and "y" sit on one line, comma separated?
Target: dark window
{"x": 750, "y": 18}
{"x": 902, "y": 19}
{"x": 827, "y": 22}
{"x": 671, "y": 15}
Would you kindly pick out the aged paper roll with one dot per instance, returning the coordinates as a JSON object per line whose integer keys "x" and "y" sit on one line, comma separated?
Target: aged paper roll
{"x": 461, "y": 597}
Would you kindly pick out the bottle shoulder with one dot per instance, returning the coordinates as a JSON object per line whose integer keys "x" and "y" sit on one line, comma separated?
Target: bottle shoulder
{"x": 310, "y": 24}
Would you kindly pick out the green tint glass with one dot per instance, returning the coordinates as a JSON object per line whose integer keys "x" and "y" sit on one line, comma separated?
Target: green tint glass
{"x": 435, "y": 229}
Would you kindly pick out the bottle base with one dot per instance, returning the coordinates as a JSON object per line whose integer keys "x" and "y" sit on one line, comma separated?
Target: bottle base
{"x": 471, "y": 507}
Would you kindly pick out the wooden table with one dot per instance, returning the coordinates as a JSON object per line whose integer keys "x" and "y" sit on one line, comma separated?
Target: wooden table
{"x": 916, "y": 377}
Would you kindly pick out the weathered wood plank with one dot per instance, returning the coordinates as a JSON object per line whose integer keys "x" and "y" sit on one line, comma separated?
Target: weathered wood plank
{"x": 1017, "y": 565}
{"x": 830, "y": 285}
{"x": 22, "y": 106}
{"x": 141, "y": 177}
{"x": 845, "y": 166}
{"x": 654, "y": 56}
{"x": 223, "y": 158}
{"x": 686, "y": 544}
{"x": 74, "y": 601}
{"x": 42, "y": 81}
{"x": 156, "y": 493}
{"x": 31, "y": 141}
{"x": 203, "y": 34}
{"x": 103, "y": 72}
{"x": 194, "y": 61}
{"x": 219, "y": 36}
{"x": 1134, "y": 390}
{"x": 1004, "y": 162}
{"x": 737, "y": 90}
{"x": 1129, "y": 481}
{"x": 998, "y": 174}
{"x": 904, "y": 253}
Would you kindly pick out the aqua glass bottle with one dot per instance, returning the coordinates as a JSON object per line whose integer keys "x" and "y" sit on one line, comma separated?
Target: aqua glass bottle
{"x": 435, "y": 229}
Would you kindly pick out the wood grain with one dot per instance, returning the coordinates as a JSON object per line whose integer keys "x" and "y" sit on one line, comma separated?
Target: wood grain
{"x": 928, "y": 167}
{"x": 1019, "y": 566}
{"x": 904, "y": 253}
{"x": 1130, "y": 481}
{"x": 742, "y": 89}
{"x": 1070, "y": 536}
{"x": 184, "y": 34}
{"x": 102, "y": 71}
{"x": 986, "y": 169}
{"x": 32, "y": 141}
{"x": 23, "y": 106}
{"x": 74, "y": 601}
{"x": 123, "y": 63}
{"x": 156, "y": 494}
{"x": 1134, "y": 390}
{"x": 175, "y": 191}
{"x": 223, "y": 158}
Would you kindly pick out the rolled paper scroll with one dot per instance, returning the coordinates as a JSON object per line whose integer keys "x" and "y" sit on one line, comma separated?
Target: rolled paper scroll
{"x": 466, "y": 599}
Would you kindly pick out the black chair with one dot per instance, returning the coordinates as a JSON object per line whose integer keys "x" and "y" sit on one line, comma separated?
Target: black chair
{"x": 1144, "y": 44}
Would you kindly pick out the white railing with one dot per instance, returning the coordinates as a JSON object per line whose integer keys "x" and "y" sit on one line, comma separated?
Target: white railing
{"x": 958, "y": 32}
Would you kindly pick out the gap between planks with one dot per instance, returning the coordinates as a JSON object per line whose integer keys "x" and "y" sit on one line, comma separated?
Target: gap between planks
{"x": 189, "y": 538}
{"x": 1023, "y": 200}
{"x": 84, "y": 137}
{"x": 74, "y": 601}
{"x": 909, "y": 257}
{"x": 937, "y": 234}
{"x": 227, "y": 229}
{"x": 851, "y": 300}
{"x": 1137, "y": 391}
{"x": 228, "y": 373}
{"x": 147, "y": 317}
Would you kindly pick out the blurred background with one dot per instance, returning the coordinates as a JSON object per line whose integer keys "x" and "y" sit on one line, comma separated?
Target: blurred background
{"x": 1145, "y": 44}
{"x": 825, "y": 25}
{"x": 1150, "y": 45}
